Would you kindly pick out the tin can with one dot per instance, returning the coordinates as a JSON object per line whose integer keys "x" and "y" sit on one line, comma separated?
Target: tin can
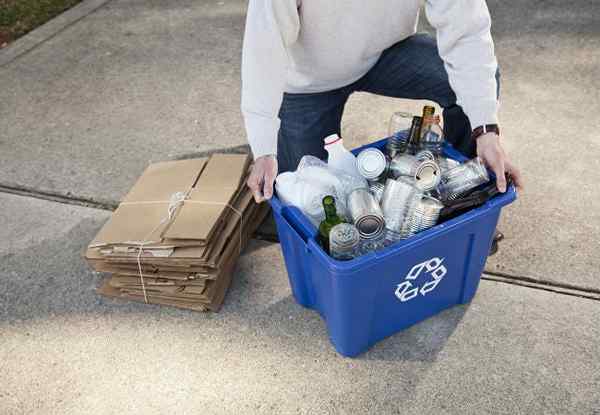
{"x": 425, "y": 173}
{"x": 371, "y": 163}
{"x": 344, "y": 241}
{"x": 366, "y": 213}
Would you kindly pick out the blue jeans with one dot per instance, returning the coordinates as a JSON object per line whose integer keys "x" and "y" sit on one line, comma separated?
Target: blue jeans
{"x": 409, "y": 69}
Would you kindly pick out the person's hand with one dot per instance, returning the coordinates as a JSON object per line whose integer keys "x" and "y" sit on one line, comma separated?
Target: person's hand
{"x": 262, "y": 177}
{"x": 493, "y": 155}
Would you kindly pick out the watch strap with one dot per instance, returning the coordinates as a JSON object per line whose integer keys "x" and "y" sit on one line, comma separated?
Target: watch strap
{"x": 484, "y": 129}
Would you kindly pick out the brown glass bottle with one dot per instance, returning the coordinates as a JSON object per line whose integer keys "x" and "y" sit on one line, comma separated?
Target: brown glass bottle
{"x": 427, "y": 119}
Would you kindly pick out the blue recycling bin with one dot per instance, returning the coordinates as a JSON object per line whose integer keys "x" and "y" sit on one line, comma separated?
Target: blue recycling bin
{"x": 371, "y": 297}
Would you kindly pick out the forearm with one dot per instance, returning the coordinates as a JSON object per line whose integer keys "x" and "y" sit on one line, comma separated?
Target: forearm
{"x": 269, "y": 27}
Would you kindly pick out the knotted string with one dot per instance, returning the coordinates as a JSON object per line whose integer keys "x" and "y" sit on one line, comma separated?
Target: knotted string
{"x": 176, "y": 200}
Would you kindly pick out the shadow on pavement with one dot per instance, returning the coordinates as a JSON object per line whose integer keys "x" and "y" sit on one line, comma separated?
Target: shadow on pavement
{"x": 52, "y": 279}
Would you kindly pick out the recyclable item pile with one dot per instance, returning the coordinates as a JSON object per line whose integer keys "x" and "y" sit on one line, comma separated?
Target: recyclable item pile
{"x": 176, "y": 236}
{"x": 365, "y": 203}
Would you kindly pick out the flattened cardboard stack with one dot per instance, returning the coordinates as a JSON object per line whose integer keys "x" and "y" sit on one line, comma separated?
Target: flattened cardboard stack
{"x": 175, "y": 237}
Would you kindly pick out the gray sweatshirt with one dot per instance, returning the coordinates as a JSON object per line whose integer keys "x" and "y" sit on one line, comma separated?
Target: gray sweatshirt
{"x": 315, "y": 45}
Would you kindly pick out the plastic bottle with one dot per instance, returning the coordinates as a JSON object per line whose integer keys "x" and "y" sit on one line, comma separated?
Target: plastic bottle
{"x": 339, "y": 157}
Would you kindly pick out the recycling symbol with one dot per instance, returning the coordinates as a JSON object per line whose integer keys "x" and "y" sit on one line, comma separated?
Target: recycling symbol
{"x": 433, "y": 267}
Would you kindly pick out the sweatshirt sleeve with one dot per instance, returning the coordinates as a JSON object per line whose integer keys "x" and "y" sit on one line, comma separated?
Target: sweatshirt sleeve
{"x": 271, "y": 26}
{"x": 467, "y": 49}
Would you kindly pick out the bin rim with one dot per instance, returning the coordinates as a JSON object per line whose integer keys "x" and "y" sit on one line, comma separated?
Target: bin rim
{"x": 357, "y": 264}
{"x": 348, "y": 267}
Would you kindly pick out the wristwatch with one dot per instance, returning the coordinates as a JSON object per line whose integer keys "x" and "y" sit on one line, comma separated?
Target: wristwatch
{"x": 483, "y": 129}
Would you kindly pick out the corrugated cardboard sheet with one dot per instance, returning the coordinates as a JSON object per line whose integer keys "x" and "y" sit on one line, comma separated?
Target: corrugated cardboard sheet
{"x": 187, "y": 222}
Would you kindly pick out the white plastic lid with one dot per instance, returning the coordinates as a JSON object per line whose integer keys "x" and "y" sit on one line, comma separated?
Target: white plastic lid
{"x": 330, "y": 139}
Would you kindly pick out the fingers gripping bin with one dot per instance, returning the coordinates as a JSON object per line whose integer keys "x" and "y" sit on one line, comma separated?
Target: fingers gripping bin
{"x": 376, "y": 295}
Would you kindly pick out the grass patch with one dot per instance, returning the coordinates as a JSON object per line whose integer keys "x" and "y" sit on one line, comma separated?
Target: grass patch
{"x": 17, "y": 17}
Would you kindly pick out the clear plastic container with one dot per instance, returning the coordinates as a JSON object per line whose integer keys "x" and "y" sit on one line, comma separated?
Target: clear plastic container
{"x": 398, "y": 133}
{"x": 344, "y": 241}
{"x": 399, "y": 196}
{"x": 424, "y": 215}
{"x": 376, "y": 189}
{"x": 462, "y": 178}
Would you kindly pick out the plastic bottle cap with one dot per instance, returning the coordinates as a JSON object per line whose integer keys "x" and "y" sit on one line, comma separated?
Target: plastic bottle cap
{"x": 330, "y": 139}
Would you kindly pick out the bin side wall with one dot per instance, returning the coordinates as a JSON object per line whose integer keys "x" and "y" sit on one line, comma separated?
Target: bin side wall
{"x": 402, "y": 289}
{"x": 378, "y": 295}
{"x": 482, "y": 232}
{"x": 296, "y": 254}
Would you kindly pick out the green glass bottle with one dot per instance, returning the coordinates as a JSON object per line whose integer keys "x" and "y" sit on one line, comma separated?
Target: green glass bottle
{"x": 331, "y": 219}
{"x": 414, "y": 134}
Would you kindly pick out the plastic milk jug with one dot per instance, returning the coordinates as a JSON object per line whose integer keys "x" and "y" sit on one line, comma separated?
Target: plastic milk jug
{"x": 339, "y": 157}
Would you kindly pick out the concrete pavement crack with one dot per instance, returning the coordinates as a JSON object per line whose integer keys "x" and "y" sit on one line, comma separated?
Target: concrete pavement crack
{"x": 111, "y": 205}
{"x": 103, "y": 204}
{"x": 535, "y": 281}
{"x": 546, "y": 286}
{"x": 59, "y": 198}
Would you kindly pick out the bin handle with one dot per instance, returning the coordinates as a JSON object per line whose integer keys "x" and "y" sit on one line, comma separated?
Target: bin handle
{"x": 303, "y": 227}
